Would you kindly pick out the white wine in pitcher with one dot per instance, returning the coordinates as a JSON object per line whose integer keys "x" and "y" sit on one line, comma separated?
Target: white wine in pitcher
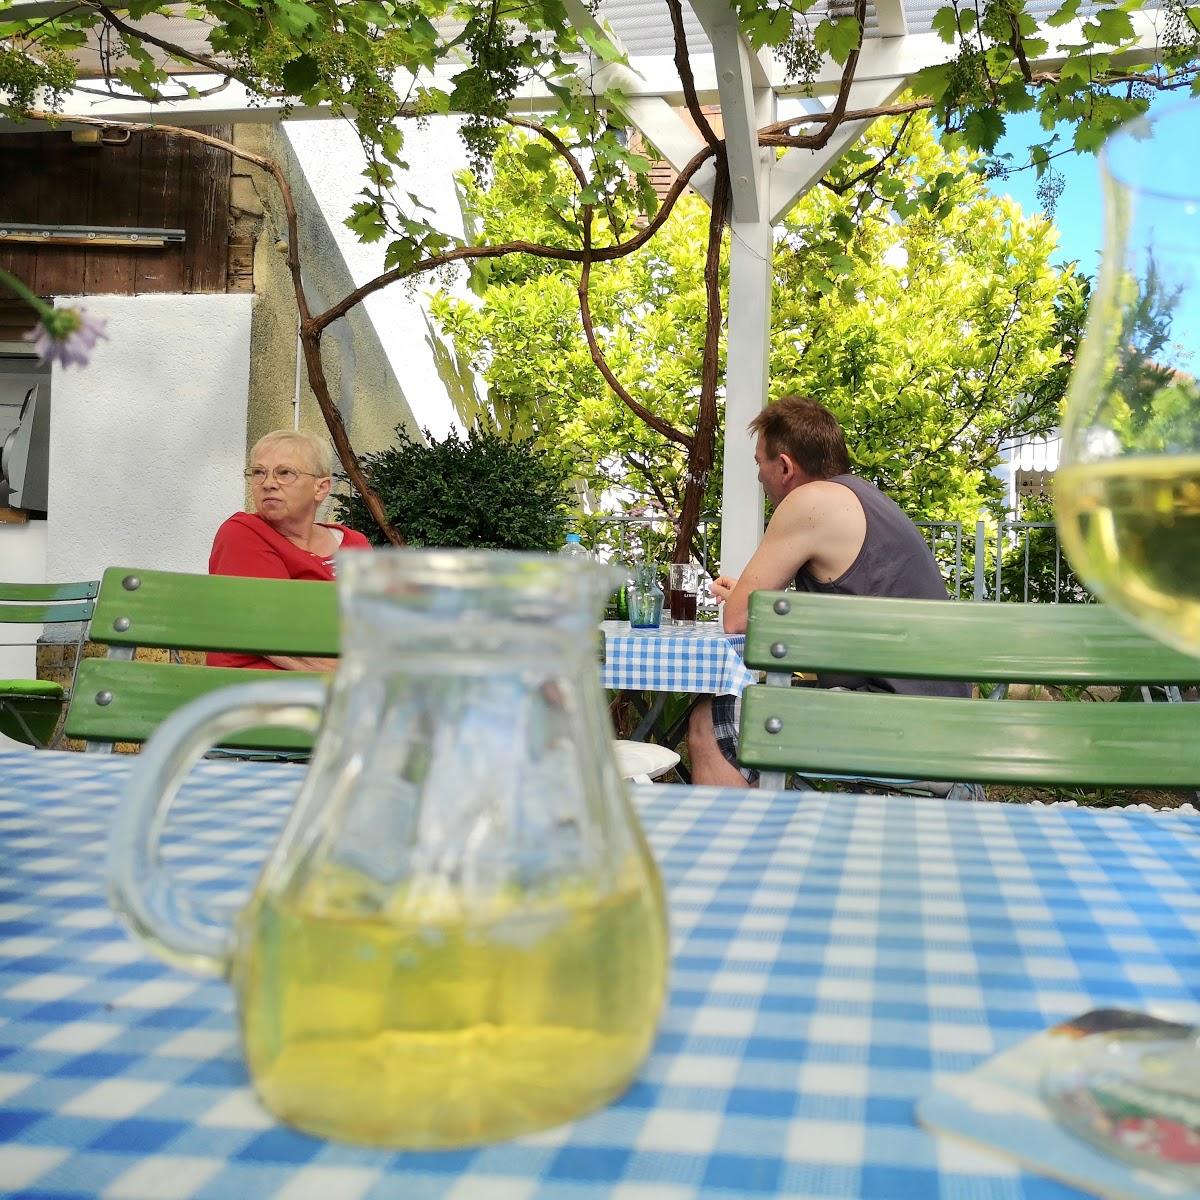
{"x": 432, "y": 1031}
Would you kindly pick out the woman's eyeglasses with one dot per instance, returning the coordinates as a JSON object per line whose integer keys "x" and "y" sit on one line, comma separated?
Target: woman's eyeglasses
{"x": 283, "y": 475}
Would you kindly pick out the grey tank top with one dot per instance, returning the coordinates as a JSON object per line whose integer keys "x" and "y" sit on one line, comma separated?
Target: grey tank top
{"x": 894, "y": 561}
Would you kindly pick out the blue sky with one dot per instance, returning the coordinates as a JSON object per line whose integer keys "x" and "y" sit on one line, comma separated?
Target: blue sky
{"x": 1078, "y": 215}
{"x": 1166, "y": 223}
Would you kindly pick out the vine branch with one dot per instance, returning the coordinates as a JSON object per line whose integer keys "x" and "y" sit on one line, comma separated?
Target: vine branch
{"x": 683, "y": 64}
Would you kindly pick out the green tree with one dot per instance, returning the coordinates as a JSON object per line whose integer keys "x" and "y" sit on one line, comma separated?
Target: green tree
{"x": 526, "y": 343}
{"x": 933, "y": 338}
{"x": 1153, "y": 394}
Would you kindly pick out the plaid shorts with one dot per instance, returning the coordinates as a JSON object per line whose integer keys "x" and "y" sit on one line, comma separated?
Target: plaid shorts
{"x": 726, "y": 712}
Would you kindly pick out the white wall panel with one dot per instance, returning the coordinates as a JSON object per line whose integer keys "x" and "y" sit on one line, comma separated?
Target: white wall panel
{"x": 147, "y": 442}
{"x": 332, "y": 161}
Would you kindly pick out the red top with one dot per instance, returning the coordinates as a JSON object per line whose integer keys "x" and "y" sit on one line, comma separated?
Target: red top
{"x": 247, "y": 545}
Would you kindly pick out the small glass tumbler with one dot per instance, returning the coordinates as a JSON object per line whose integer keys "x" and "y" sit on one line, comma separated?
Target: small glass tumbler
{"x": 645, "y": 598}
{"x": 685, "y": 593}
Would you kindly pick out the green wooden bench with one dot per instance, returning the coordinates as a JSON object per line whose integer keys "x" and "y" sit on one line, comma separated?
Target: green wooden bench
{"x": 817, "y": 731}
{"x": 120, "y": 699}
{"x": 30, "y": 708}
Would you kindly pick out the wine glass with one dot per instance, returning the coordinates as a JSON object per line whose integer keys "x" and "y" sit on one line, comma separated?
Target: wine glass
{"x": 1128, "y": 488}
{"x": 1127, "y": 495}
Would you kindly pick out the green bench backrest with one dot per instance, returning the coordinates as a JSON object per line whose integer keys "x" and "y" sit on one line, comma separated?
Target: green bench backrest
{"x": 30, "y": 708}
{"x": 869, "y": 735}
{"x": 940, "y": 639}
{"x": 118, "y": 699}
{"x": 46, "y": 603}
{"x": 1012, "y": 741}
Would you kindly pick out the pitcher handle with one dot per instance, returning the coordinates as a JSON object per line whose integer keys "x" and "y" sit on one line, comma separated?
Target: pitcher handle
{"x": 183, "y": 932}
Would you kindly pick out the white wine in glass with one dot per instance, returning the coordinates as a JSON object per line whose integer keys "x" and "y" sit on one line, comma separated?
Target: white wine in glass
{"x": 1127, "y": 495}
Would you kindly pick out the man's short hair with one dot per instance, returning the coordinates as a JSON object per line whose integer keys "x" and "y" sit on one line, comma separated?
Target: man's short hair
{"x": 313, "y": 449}
{"x": 805, "y": 431}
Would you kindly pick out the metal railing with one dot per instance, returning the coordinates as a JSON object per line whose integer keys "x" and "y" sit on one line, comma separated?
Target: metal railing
{"x": 623, "y": 524}
{"x": 1003, "y": 560}
{"x": 1027, "y": 564}
{"x": 945, "y": 540}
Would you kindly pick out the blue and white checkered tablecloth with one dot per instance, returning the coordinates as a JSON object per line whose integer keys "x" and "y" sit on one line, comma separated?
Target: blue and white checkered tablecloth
{"x": 703, "y": 659}
{"x": 832, "y": 956}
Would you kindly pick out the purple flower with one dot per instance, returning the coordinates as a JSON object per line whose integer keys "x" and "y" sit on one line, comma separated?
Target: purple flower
{"x": 66, "y": 336}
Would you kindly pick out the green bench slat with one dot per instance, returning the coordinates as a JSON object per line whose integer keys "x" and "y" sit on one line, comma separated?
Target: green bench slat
{"x": 878, "y": 736}
{"x": 216, "y": 612}
{"x": 45, "y": 593}
{"x": 933, "y": 639}
{"x": 144, "y": 694}
{"x": 1007, "y": 741}
{"x": 45, "y": 614}
{"x": 169, "y": 610}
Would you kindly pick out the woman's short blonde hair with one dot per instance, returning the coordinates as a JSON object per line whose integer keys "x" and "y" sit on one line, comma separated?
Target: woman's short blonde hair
{"x": 314, "y": 448}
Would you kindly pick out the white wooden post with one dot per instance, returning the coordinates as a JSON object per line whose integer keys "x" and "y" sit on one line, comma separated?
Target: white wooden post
{"x": 748, "y": 371}
{"x": 746, "y": 376}
{"x": 747, "y": 103}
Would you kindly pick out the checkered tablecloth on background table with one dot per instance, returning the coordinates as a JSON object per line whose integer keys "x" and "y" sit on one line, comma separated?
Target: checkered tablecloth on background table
{"x": 832, "y": 955}
{"x": 702, "y": 659}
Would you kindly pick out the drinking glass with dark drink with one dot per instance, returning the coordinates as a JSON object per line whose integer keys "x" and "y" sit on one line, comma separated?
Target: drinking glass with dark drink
{"x": 684, "y": 593}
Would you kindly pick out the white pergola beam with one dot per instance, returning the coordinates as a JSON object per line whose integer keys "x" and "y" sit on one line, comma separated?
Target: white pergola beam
{"x": 747, "y": 373}
{"x": 652, "y": 76}
{"x": 228, "y": 106}
{"x": 735, "y": 64}
{"x": 893, "y": 20}
{"x": 902, "y": 57}
{"x": 661, "y": 124}
{"x": 798, "y": 170}
{"x": 751, "y": 275}
{"x": 896, "y": 58}
{"x": 762, "y": 66}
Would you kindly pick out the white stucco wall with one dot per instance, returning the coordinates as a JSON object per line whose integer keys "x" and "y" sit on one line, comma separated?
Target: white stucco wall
{"x": 147, "y": 443}
{"x": 332, "y": 160}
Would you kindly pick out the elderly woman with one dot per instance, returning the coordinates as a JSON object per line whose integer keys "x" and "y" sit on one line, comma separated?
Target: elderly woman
{"x": 290, "y": 474}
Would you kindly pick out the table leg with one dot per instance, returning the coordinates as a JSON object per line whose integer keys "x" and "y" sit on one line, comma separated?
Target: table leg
{"x": 650, "y": 718}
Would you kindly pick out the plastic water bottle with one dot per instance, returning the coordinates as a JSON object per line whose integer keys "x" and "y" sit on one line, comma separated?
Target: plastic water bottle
{"x": 574, "y": 548}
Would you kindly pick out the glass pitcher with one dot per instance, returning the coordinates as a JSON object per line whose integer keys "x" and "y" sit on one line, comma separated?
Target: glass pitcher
{"x": 461, "y": 933}
{"x": 645, "y": 598}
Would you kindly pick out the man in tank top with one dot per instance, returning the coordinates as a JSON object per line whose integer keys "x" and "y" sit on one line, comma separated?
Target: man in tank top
{"x": 830, "y": 532}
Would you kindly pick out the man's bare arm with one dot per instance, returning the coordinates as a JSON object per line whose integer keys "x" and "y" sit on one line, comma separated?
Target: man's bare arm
{"x": 808, "y": 523}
